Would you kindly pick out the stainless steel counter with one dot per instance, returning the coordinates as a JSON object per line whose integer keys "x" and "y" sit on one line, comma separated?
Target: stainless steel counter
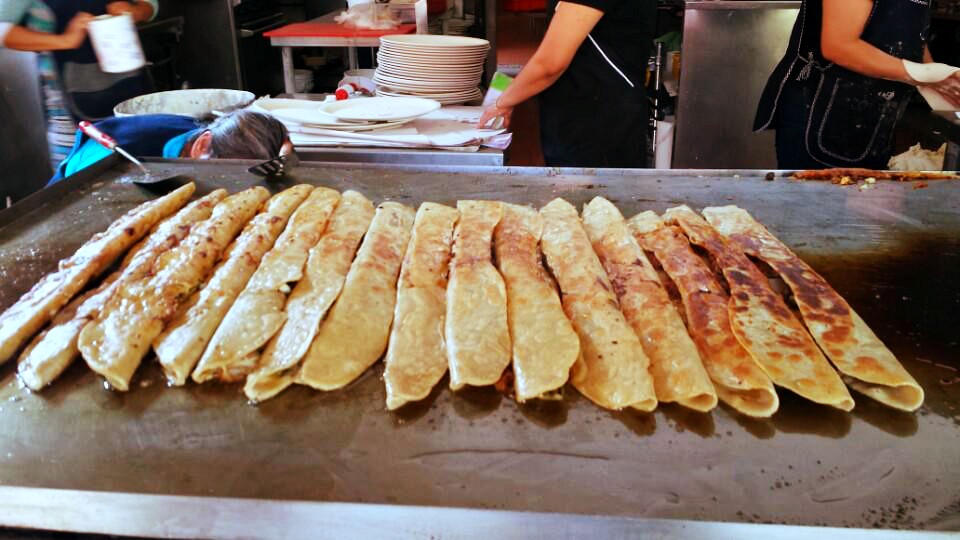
{"x": 893, "y": 251}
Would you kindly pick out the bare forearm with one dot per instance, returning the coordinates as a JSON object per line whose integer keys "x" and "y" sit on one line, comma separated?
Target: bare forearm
{"x": 533, "y": 79}
{"x": 862, "y": 57}
{"x": 23, "y": 39}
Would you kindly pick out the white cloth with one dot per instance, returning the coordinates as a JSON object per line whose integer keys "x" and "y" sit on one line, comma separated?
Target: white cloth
{"x": 931, "y": 73}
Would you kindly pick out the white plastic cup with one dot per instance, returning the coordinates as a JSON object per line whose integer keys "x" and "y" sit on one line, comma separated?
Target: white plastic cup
{"x": 116, "y": 43}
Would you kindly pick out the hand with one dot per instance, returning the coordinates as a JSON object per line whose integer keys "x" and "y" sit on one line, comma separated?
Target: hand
{"x": 491, "y": 113}
{"x": 119, "y": 8}
{"x": 76, "y": 30}
{"x": 140, "y": 11}
{"x": 949, "y": 88}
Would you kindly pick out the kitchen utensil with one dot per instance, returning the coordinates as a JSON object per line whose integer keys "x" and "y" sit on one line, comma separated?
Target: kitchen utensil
{"x": 273, "y": 169}
{"x": 107, "y": 142}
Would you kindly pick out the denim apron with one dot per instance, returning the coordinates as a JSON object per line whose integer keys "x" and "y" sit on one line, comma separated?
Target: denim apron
{"x": 851, "y": 117}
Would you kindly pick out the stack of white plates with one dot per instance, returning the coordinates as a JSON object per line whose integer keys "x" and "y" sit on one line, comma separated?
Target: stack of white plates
{"x": 352, "y": 115}
{"x": 446, "y": 69}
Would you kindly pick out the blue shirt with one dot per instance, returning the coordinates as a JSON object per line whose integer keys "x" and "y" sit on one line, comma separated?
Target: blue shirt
{"x": 152, "y": 135}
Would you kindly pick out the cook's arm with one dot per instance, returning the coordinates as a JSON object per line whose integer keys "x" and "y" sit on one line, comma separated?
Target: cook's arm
{"x": 569, "y": 28}
{"x": 840, "y": 42}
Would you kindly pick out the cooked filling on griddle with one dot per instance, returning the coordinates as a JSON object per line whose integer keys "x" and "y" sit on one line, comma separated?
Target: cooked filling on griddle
{"x": 313, "y": 287}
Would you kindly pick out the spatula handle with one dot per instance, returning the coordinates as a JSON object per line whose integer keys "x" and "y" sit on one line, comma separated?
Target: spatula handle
{"x": 97, "y": 135}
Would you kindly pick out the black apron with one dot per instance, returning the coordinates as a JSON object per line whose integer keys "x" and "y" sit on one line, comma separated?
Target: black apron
{"x": 595, "y": 115}
{"x": 91, "y": 94}
{"x": 851, "y": 117}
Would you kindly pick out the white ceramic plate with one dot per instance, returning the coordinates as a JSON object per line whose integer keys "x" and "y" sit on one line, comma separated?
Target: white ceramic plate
{"x": 428, "y": 95}
{"x": 446, "y": 70}
{"x": 430, "y": 40}
{"x": 354, "y": 128}
{"x": 416, "y": 76}
{"x": 386, "y": 109}
{"x": 309, "y": 116}
{"x": 435, "y": 58}
{"x": 273, "y": 104}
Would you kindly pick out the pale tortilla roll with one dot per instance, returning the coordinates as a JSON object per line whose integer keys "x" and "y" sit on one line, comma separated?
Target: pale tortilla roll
{"x": 180, "y": 345}
{"x": 355, "y": 333}
{"x": 327, "y": 267}
{"x": 417, "y": 353}
{"x": 56, "y": 348}
{"x": 476, "y": 328}
{"x": 117, "y": 340}
{"x": 678, "y": 373}
{"x": 41, "y": 303}
{"x": 763, "y": 323}
{"x": 740, "y": 382}
{"x": 612, "y": 370}
{"x": 545, "y": 345}
{"x": 257, "y": 314}
{"x": 849, "y": 343}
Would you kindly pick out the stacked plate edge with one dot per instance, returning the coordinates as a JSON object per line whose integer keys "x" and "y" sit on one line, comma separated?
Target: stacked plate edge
{"x": 446, "y": 69}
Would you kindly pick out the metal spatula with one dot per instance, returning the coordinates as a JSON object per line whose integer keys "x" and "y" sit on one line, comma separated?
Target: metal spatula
{"x": 107, "y": 142}
{"x": 274, "y": 168}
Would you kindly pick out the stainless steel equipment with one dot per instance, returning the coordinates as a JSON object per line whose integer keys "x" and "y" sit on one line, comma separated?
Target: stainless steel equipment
{"x": 729, "y": 50}
{"x": 892, "y": 251}
{"x": 23, "y": 148}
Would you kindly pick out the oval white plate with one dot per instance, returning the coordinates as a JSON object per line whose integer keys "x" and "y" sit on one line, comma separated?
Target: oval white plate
{"x": 386, "y": 109}
{"x": 431, "y": 40}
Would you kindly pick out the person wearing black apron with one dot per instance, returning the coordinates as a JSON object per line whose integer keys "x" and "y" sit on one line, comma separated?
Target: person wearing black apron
{"x": 837, "y": 95}
{"x": 589, "y": 72}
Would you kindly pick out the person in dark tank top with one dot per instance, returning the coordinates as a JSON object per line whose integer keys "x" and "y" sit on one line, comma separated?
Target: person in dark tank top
{"x": 588, "y": 74}
{"x": 836, "y": 96}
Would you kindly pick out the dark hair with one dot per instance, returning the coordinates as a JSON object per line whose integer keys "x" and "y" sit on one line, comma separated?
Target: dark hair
{"x": 246, "y": 134}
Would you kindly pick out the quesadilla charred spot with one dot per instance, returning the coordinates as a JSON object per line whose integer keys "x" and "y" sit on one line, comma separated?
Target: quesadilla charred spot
{"x": 763, "y": 323}
{"x": 852, "y": 347}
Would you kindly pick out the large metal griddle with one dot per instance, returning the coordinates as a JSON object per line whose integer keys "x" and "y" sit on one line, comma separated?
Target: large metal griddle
{"x": 892, "y": 251}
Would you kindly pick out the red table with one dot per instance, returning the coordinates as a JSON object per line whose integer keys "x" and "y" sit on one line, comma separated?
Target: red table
{"x": 325, "y": 32}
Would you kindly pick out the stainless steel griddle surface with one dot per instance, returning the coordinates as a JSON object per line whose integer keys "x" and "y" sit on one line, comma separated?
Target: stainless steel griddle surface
{"x": 892, "y": 251}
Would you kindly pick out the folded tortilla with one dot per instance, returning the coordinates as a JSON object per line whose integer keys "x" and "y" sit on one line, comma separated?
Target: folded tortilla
{"x": 740, "y": 382}
{"x": 257, "y": 314}
{"x": 612, "y": 371}
{"x": 356, "y": 332}
{"x": 763, "y": 323}
{"x": 847, "y": 340}
{"x": 417, "y": 353}
{"x": 545, "y": 345}
{"x": 678, "y": 373}
{"x": 327, "y": 267}
{"x": 183, "y": 341}
{"x": 476, "y": 329}
{"x": 116, "y": 341}
{"x": 56, "y": 348}
{"x": 39, "y": 305}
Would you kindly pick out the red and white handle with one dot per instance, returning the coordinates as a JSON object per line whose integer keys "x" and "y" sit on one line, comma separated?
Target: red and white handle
{"x": 97, "y": 135}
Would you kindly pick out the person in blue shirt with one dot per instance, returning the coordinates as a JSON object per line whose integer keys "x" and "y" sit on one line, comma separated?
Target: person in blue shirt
{"x": 241, "y": 134}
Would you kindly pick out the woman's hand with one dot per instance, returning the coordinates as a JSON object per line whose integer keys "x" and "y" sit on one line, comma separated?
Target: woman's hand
{"x": 140, "y": 11}
{"x": 490, "y": 115}
{"x": 76, "y": 31}
{"x": 949, "y": 88}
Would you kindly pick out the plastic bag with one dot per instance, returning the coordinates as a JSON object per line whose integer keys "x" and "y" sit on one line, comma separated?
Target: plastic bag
{"x": 368, "y": 16}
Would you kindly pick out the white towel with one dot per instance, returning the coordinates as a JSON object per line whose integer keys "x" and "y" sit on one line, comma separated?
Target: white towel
{"x": 929, "y": 74}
